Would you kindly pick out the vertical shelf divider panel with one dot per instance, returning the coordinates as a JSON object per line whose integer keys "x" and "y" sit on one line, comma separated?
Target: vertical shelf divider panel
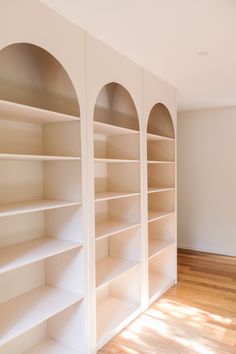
{"x": 117, "y": 209}
{"x": 41, "y": 239}
{"x": 114, "y": 126}
{"x": 117, "y": 305}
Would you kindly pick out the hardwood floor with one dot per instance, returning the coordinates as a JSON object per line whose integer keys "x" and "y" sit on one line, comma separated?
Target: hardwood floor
{"x": 198, "y": 315}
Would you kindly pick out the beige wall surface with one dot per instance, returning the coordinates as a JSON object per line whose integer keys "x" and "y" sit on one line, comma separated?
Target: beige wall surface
{"x": 207, "y": 180}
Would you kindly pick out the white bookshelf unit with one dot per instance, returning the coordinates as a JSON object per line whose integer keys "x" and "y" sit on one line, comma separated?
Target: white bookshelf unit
{"x": 87, "y": 186}
{"x": 41, "y": 239}
{"x": 117, "y": 208}
{"x": 161, "y": 201}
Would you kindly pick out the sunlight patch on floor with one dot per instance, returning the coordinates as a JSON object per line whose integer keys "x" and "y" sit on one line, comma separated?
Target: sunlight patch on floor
{"x": 161, "y": 322}
{"x": 128, "y": 350}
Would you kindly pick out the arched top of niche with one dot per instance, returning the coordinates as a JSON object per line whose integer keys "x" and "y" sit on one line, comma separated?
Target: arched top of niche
{"x": 115, "y": 106}
{"x": 31, "y": 76}
{"x": 160, "y": 121}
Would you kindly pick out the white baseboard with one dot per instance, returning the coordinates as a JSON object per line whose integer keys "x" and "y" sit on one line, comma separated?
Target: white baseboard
{"x": 208, "y": 250}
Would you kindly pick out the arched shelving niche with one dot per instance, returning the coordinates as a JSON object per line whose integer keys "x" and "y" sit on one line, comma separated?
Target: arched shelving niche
{"x": 160, "y": 122}
{"x": 40, "y": 205}
{"x": 116, "y": 107}
{"x": 31, "y": 76}
{"x": 117, "y": 209}
{"x": 161, "y": 200}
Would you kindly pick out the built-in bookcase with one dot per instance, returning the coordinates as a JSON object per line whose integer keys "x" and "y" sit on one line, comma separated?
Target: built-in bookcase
{"x": 41, "y": 238}
{"x": 161, "y": 201}
{"x": 76, "y": 266}
{"x": 117, "y": 210}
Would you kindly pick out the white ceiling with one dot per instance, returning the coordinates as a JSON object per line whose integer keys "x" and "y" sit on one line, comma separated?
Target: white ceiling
{"x": 165, "y": 37}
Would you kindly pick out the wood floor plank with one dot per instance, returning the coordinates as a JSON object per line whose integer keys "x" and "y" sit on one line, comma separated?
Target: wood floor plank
{"x": 197, "y": 316}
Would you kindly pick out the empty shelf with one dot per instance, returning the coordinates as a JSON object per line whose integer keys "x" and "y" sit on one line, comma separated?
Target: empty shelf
{"x": 110, "y": 267}
{"x": 36, "y": 157}
{"x": 159, "y": 189}
{"x": 23, "y": 113}
{"x": 114, "y": 160}
{"x": 111, "y": 312}
{"x": 33, "y": 206}
{"x": 49, "y": 346}
{"x": 160, "y": 162}
{"x": 108, "y": 129}
{"x": 151, "y": 136}
{"x": 28, "y": 252}
{"x": 158, "y": 284}
{"x": 157, "y": 246}
{"x": 111, "y": 227}
{"x": 155, "y": 215}
{"x": 113, "y": 195}
{"x": 25, "y": 311}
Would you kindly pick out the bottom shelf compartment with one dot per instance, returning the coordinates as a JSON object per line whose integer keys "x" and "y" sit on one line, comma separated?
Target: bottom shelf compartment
{"x": 20, "y": 314}
{"x": 42, "y": 300}
{"x": 117, "y": 305}
{"x": 60, "y": 334}
{"x": 49, "y": 346}
{"x": 162, "y": 272}
{"x": 111, "y": 312}
{"x": 158, "y": 284}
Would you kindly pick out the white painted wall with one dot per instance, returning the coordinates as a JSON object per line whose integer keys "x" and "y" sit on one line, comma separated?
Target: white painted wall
{"x": 207, "y": 180}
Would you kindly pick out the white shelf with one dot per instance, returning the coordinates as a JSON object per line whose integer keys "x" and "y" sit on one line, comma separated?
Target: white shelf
{"x": 108, "y": 129}
{"x": 26, "y": 311}
{"x": 155, "y": 215}
{"x": 157, "y": 246}
{"x": 109, "y": 268}
{"x": 160, "y": 162}
{"x": 111, "y": 312}
{"x": 113, "y": 195}
{"x": 28, "y": 252}
{"x": 36, "y": 157}
{"x": 19, "y": 112}
{"x": 160, "y": 189}
{"x": 111, "y": 227}
{"x": 151, "y": 136}
{"x": 158, "y": 284}
{"x": 33, "y": 206}
{"x": 115, "y": 160}
{"x": 49, "y": 346}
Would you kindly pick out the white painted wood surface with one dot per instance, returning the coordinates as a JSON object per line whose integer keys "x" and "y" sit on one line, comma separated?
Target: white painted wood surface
{"x": 33, "y": 206}
{"x": 49, "y": 346}
{"x": 109, "y": 268}
{"x": 74, "y": 190}
{"x": 36, "y": 157}
{"x": 30, "y": 114}
{"x": 28, "y": 252}
{"x": 25, "y": 311}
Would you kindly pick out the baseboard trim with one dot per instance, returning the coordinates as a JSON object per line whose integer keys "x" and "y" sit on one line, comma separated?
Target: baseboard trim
{"x": 207, "y": 250}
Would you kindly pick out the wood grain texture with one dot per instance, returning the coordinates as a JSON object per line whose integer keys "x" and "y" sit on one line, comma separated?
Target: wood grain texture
{"x": 198, "y": 315}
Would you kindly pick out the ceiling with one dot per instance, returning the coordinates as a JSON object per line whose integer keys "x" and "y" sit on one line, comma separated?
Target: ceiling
{"x": 189, "y": 43}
